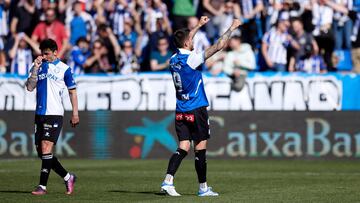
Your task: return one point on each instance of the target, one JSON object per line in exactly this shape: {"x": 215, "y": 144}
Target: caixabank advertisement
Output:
{"x": 151, "y": 134}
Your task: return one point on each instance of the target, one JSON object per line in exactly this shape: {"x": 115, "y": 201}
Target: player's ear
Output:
{"x": 186, "y": 43}
{"x": 55, "y": 53}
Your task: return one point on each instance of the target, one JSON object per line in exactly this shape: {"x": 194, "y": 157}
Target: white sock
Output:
{"x": 67, "y": 177}
{"x": 203, "y": 186}
{"x": 169, "y": 179}
{"x": 43, "y": 187}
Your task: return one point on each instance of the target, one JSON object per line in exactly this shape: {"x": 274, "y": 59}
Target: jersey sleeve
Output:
{"x": 196, "y": 59}
{"x": 69, "y": 80}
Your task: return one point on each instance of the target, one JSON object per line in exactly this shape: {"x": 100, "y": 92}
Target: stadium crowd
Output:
{"x": 127, "y": 36}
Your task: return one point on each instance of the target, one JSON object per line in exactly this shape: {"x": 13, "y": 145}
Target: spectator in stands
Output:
{"x": 58, "y": 6}
{"x": 25, "y": 18}
{"x": 250, "y": 11}
{"x": 159, "y": 59}
{"x": 310, "y": 62}
{"x": 231, "y": 11}
{"x": 238, "y": 61}
{"x": 79, "y": 54}
{"x": 129, "y": 61}
{"x": 355, "y": 51}
{"x": 98, "y": 62}
{"x": 322, "y": 20}
{"x": 182, "y": 10}
{"x": 119, "y": 15}
{"x": 4, "y": 29}
{"x": 200, "y": 39}
{"x": 273, "y": 9}
{"x": 156, "y": 10}
{"x": 101, "y": 12}
{"x": 163, "y": 28}
{"x": 275, "y": 44}
{"x": 21, "y": 54}
{"x": 213, "y": 9}
{"x": 44, "y": 6}
{"x": 130, "y": 34}
{"x": 303, "y": 39}
{"x": 342, "y": 25}
{"x": 111, "y": 43}
{"x": 53, "y": 29}
{"x": 80, "y": 23}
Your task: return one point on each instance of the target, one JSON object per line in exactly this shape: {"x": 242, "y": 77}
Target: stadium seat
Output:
{"x": 344, "y": 57}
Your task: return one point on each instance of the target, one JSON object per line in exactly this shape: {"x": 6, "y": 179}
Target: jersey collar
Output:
{"x": 184, "y": 51}
{"x": 55, "y": 62}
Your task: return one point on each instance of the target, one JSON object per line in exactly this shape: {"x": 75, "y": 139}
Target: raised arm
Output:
{"x": 223, "y": 40}
{"x": 203, "y": 20}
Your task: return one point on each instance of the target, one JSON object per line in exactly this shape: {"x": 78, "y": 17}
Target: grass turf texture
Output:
{"x": 235, "y": 180}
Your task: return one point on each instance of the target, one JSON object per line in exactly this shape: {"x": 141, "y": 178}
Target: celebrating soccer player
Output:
{"x": 191, "y": 122}
{"x": 50, "y": 77}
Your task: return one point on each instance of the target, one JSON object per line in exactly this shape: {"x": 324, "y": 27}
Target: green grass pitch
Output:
{"x": 235, "y": 180}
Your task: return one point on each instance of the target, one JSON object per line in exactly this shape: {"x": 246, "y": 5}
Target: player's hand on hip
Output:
{"x": 235, "y": 24}
{"x": 38, "y": 62}
{"x": 203, "y": 20}
{"x": 74, "y": 121}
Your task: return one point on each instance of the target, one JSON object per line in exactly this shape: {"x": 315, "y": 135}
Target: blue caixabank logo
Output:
{"x": 150, "y": 133}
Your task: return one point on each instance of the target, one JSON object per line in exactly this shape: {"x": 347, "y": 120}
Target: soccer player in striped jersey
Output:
{"x": 191, "y": 121}
{"x": 51, "y": 77}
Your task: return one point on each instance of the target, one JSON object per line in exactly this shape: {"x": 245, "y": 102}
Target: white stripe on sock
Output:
{"x": 67, "y": 177}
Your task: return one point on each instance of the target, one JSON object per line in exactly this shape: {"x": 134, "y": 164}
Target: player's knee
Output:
{"x": 186, "y": 149}
{"x": 185, "y": 145}
{"x": 201, "y": 145}
{"x": 46, "y": 147}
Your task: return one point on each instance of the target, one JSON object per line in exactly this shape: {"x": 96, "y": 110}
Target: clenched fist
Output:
{"x": 203, "y": 20}
{"x": 38, "y": 62}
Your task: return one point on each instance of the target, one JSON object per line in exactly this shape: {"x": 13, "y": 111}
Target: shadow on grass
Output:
{"x": 141, "y": 192}
{"x": 137, "y": 192}
{"x": 14, "y": 191}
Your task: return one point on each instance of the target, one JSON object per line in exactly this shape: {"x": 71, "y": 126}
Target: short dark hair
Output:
{"x": 48, "y": 44}
{"x": 81, "y": 39}
{"x": 180, "y": 36}
{"x": 162, "y": 38}
{"x": 236, "y": 37}
{"x": 102, "y": 27}
{"x": 296, "y": 19}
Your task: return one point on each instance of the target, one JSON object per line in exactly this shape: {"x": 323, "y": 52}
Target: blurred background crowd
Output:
{"x": 128, "y": 36}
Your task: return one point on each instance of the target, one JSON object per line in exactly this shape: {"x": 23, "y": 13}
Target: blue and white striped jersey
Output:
{"x": 314, "y": 64}
{"x": 188, "y": 81}
{"x": 4, "y": 28}
{"x": 248, "y": 6}
{"x": 53, "y": 79}
{"x": 277, "y": 45}
{"x": 118, "y": 19}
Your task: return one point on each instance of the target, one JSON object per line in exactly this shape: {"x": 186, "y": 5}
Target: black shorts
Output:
{"x": 47, "y": 128}
{"x": 192, "y": 125}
